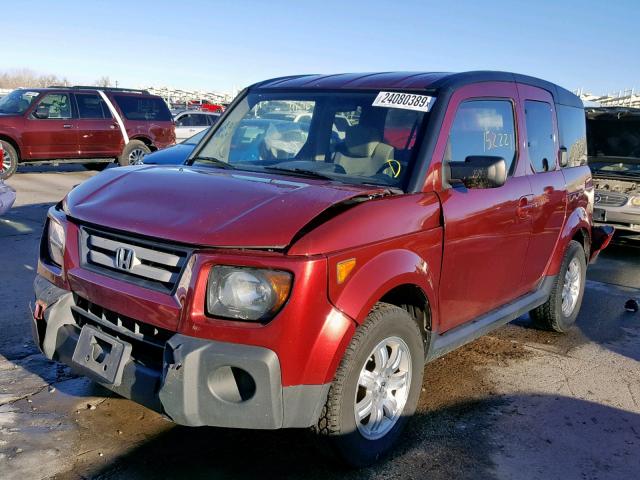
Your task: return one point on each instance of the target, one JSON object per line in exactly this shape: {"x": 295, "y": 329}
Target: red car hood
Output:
{"x": 209, "y": 207}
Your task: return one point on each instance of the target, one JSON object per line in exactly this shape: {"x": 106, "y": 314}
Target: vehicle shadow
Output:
{"x": 523, "y": 437}
{"x": 612, "y": 280}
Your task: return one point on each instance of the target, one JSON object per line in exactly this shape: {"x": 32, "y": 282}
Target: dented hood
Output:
{"x": 208, "y": 207}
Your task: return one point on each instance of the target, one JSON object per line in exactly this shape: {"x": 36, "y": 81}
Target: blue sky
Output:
{"x": 218, "y": 45}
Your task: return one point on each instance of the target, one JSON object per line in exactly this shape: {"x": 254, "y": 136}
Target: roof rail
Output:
{"x": 94, "y": 87}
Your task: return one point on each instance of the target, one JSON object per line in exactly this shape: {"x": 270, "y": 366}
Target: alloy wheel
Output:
{"x": 383, "y": 388}
{"x": 6, "y": 162}
{"x": 136, "y": 156}
{"x": 571, "y": 287}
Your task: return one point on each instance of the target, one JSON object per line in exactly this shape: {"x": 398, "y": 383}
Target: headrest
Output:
{"x": 361, "y": 141}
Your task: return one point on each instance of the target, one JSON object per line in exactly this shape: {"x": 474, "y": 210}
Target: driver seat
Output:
{"x": 363, "y": 152}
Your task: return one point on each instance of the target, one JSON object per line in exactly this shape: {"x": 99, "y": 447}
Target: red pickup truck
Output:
{"x": 88, "y": 125}
{"x": 306, "y": 284}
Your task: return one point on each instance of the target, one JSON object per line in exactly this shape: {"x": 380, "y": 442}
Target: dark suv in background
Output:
{"x": 87, "y": 124}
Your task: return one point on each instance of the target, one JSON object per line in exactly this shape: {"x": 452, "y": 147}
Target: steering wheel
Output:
{"x": 394, "y": 165}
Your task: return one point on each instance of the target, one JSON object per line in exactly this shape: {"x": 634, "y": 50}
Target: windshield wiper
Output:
{"x": 301, "y": 171}
{"x": 215, "y": 161}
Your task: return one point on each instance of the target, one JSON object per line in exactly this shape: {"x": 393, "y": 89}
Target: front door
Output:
{"x": 549, "y": 202}
{"x": 486, "y": 230}
{"x": 50, "y": 129}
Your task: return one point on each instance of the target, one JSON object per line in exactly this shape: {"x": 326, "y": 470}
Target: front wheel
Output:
{"x": 133, "y": 153}
{"x": 9, "y": 160}
{"x": 560, "y": 311}
{"x": 376, "y": 387}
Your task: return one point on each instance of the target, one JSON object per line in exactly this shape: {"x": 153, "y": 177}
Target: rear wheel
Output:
{"x": 376, "y": 387}
{"x": 9, "y": 159}
{"x": 560, "y": 311}
{"x": 133, "y": 153}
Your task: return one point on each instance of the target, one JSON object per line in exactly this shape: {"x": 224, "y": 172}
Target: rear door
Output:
{"x": 98, "y": 132}
{"x": 486, "y": 232}
{"x": 549, "y": 202}
{"x": 51, "y": 128}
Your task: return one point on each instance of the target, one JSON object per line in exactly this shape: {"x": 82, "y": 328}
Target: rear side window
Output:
{"x": 540, "y": 136}
{"x": 91, "y": 106}
{"x": 483, "y": 128}
{"x": 143, "y": 108}
{"x": 573, "y": 134}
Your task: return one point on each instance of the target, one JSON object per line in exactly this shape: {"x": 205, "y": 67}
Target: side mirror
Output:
{"x": 479, "y": 172}
{"x": 41, "y": 112}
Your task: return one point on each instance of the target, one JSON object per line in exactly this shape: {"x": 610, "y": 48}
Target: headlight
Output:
{"x": 56, "y": 240}
{"x": 635, "y": 201}
{"x": 246, "y": 293}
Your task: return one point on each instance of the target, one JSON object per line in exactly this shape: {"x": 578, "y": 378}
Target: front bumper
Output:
{"x": 195, "y": 381}
{"x": 623, "y": 218}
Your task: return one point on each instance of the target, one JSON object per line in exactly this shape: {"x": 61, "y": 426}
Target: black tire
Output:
{"x": 550, "y": 315}
{"x": 337, "y": 422}
{"x": 130, "y": 148}
{"x": 96, "y": 167}
{"x": 9, "y": 162}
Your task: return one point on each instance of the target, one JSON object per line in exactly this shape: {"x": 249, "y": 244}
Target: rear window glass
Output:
{"x": 540, "y": 136}
{"x": 91, "y": 106}
{"x": 143, "y": 108}
{"x": 573, "y": 134}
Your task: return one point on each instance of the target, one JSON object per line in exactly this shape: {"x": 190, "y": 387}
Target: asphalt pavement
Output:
{"x": 517, "y": 404}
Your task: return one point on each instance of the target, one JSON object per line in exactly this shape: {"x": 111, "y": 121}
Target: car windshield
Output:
{"x": 17, "y": 102}
{"x": 345, "y": 137}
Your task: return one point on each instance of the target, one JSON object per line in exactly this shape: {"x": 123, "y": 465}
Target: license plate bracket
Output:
{"x": 101, "y": 355}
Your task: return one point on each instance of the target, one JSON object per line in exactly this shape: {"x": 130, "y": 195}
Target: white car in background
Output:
{"x": 190, "y": 122}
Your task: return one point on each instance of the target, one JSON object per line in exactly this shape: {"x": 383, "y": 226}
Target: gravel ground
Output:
{"x": 518, "y": 404}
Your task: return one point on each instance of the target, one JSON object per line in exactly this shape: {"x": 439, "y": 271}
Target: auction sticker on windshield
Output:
{"x": 408, "y": 101}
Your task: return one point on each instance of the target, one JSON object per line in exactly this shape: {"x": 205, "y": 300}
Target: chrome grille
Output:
{"x": 148, "y": 263}
{"x": 610, "y": 199}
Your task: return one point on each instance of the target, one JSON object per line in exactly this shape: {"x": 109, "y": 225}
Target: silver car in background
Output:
{"x": 190, "y": 122}
{"x": 614, "y": 157}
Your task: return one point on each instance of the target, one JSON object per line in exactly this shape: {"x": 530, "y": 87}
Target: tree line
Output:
{"x": 28, "y": 78}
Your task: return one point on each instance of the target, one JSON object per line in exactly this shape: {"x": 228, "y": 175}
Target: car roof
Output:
{"x": 430, "y": 81}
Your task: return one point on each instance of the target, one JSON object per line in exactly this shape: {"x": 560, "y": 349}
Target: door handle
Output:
{"x": 524, "y": 206}
{"x": 113, "y": 127}
{"x": 67, "y": 125}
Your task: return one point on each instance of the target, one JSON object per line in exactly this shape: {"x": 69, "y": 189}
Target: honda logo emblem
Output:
{"x": 125, "y": 258}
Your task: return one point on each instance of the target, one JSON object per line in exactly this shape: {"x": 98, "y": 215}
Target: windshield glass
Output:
{"x": 345, "y": 137}
{"x": 17, "y": 102}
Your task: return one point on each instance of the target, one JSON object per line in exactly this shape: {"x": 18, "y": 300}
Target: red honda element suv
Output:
{"x": 300, "y": 274}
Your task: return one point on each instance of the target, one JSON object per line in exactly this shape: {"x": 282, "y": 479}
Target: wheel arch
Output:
{"x": 146, "y": 140}
{"x": 408, "y": 283}
{"x": 578, "y": 228}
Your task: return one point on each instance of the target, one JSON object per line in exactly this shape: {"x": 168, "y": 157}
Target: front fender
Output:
{"x": 578, "y": 221}
{"x": 416, "y": 263}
